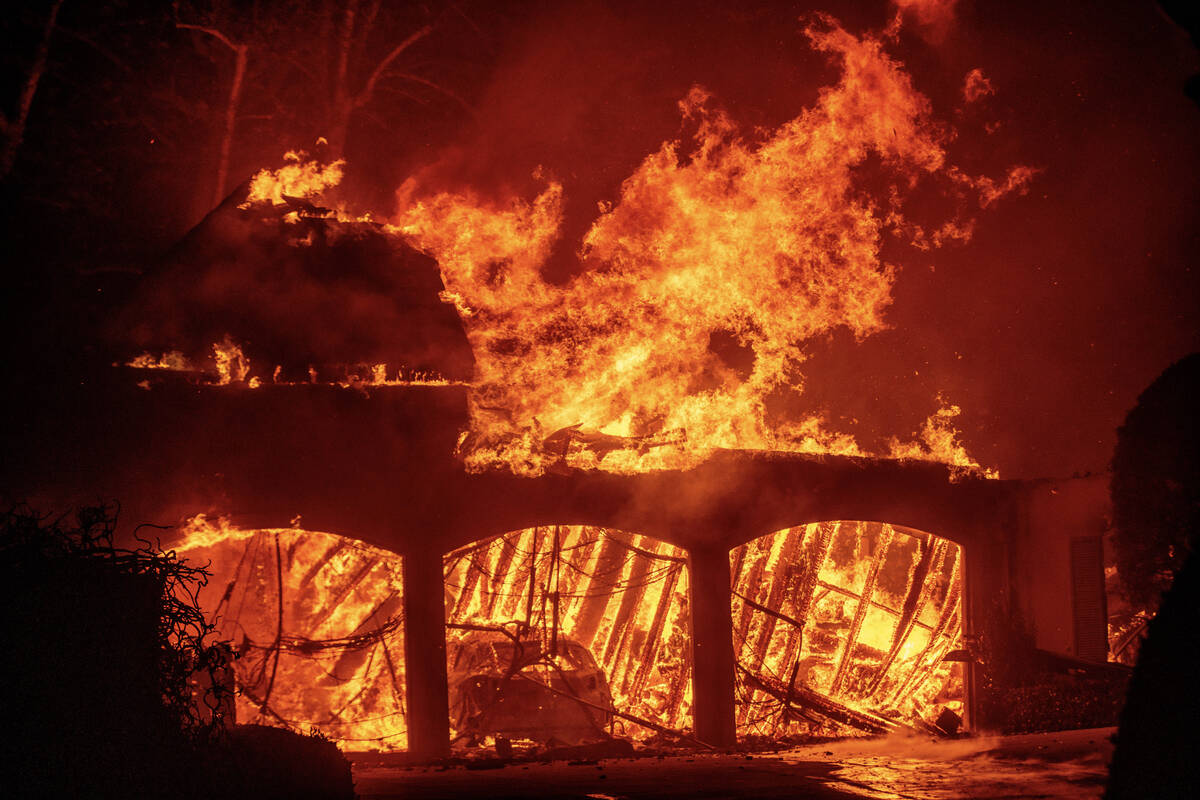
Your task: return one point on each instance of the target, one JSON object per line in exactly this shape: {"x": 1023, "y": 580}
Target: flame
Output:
{"x": 929, "y": 12}
{"x": 300, "y": 176}
{"x": 316, "y": 618}
{"x": 317, "y": 622}
{"x": 698, "y": 289}
{"x": 977, "y": 86}
{"x": 879, "y": 608}
{"x": 231, "y": 366}
{"x": 173, "y": 360}
{"x": 763, "y": 245}
{"x": 620, "y": 596}
{"x": 939, "y": 441}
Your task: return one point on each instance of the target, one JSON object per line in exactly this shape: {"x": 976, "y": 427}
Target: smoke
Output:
{"x": 977, "y": 86}
{"x": 933, "y": 17}
{"x": 272, "y": 295}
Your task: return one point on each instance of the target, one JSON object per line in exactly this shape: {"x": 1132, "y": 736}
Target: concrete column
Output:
{"x": 970, "y": 636}
{"x": 986, "y": 603}
{"x": 712, "y": 647}
{"x": 425, "y": 656}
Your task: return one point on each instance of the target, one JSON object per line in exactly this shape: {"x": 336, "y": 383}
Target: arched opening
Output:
{"x": 847, "y": 627}
{"x": 317, "y": 627}
{"x": 566, "y": 634}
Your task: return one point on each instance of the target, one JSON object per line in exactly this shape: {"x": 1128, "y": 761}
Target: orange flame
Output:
{"x": 317, "y": 622}
{"x": 299, "y": 177}
{"x": 621, "y": 597}
{"x": 879, "y": 609}
{"x": 173, "y": 360}
{"x": 765, "y": 245}
{"x": 231, "y": 366}
{"x": 698, "y": 288}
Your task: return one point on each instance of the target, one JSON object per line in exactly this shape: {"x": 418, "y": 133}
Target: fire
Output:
{"x": 977, "y": 86}
{"x": 317, "y": 622}
{"x": 848, "y": 622}
{"x": 929, "y": 12}
{"x": 173, "y": 360}
{"x": 717, "y": 244}
{"x": 299, "y": 177}
{"x": 229, "y": 365}
{"x": 232, "y": 364}
{"x": 939, "y": 441}
{"x": 620, "y": 597}
{"x": 698, "y": 289}
{"x": 838, "y": 627}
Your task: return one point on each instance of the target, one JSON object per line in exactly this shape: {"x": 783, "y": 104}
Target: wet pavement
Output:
{"x": 1068, "y": 764}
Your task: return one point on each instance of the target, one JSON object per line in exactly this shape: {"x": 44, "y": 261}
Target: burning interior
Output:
{"x": 589, "y": 622}
{"x": 847, "y": 626}
{"x": 568, "y": 634}
{"x": 316, "y": 623}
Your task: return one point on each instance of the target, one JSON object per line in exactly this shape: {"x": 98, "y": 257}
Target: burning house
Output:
{"x": 741, "y": 593}
{"x": 471, "y": 474}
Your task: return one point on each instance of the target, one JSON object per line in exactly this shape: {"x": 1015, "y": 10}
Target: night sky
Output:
{"x": 1044, "y": 328}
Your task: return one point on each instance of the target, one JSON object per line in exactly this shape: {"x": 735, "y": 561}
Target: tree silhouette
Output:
{"x": 1156, "y": 483}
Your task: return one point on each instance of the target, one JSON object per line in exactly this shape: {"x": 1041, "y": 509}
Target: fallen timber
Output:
{"x": 800, "y": 699}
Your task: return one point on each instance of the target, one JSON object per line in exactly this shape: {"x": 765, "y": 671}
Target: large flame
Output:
{"x": 699, "y": 287}
{"x": 300, "y": 176}
{"x": 697, "y": 291}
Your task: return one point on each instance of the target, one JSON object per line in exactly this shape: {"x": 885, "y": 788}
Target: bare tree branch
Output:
{"x": 364, "y": 96}
{"x": 103, "y": 51}
{"x": 436, "y": 87}
{"x": 240, "y": 54}
{"x": 216, "y": 34}
{"x": 13, "y": 130}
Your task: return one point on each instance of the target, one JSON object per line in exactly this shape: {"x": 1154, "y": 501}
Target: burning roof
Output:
{"x": 299, "y": 293}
